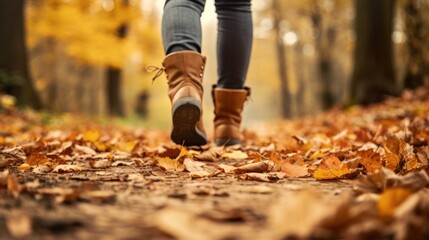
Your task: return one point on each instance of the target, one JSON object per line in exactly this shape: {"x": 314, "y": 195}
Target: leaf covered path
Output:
{"x": 358, "y": 173}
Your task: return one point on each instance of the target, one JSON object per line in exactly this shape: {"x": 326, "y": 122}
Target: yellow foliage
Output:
{"x": 89, "y": 29}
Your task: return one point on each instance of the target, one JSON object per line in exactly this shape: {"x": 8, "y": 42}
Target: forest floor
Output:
{"x": 359, "y": 173}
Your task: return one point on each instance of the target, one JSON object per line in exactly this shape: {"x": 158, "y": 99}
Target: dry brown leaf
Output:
{"x": 227, "y": 168}
{"x": 123, "y": 163}
{"x": 263, "y": 177}
{"x": 293, "y": 166}
{"x": 210, "y": 155}
{"x": 85, "y": 150}
{"x": 257, "y": 167}
{"x": 294, "y": 171}
{"x": 100, "y": 164}
{"x": 41, "y": 169}
{"x": 384, "y": 178}
{"x": 193, "y": 166}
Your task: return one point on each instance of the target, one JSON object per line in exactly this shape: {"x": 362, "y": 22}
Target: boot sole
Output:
{"x": 186, "y": 114}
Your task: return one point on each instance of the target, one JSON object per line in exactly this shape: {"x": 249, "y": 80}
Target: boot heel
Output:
{"x": 186, "y": 114}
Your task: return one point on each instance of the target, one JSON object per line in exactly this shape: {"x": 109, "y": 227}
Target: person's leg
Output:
{"x": 234, "y": 42}
{"x": 181, "y": 25}
{"x": 184, "y": 68}
{"x": 235, "y": 32}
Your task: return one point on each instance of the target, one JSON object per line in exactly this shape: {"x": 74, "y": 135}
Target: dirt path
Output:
{"x": 140, "y": 204}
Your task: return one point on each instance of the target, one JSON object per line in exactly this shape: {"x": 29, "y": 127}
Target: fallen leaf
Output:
{"x": 384, "y": 178}
{"x": 67, "y": 168}
{"x": 258, "y": 167}
{"x": 85, "y": 150}
{"x": 390, "y": 200}
{"x": 122, "y": 163}
{"x": 263, "y": 177}
{"x": 391, "y": 161}
{"x": 41, "y": 169}
{"x": 227, "y": 168}
{"x": 236, "y": 154}
{"x": 91, "y": 136}
{"x": 36, "y": 159}
{"x": 370, "y": 160}
{"x": 293, "y": 166}
{"x": 332, "y": 168}
{"x": 210, "y": 155}
{"x": 100, "y": 164}
{"x": 169, "y": 164}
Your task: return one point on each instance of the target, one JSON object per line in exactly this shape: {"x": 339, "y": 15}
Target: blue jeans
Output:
{"x": 181, "y": 30}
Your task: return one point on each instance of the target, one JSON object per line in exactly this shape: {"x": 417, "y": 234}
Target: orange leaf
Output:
{"x": 370, "y": 160}
{"x": 390, "y": 200}
{"x": 331, "y": 168}
{"x": 36, "y": 159}
{"x": 391, "y": 160}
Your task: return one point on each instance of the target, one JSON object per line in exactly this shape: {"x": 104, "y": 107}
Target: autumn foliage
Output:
{"x": 382, "y": 149}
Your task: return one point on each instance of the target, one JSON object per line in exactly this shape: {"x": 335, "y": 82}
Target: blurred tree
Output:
{"x": 89, "y": 35}
{"x": 114, "y": 94}
{"x": 324, "y": 18}
{"x": 374, "y": 76}
{"x": 13, "y": 54}
{"x": 281, "y": 58}
{"x": 417, "y": 31}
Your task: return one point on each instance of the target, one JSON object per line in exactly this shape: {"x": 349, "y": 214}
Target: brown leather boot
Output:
{"x": 228, "y": 105}
{"x": 184, "y": 71}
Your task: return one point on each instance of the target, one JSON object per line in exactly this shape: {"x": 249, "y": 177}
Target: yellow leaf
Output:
{"x": 331, "y": 168}
{"x": 91, "y": 136}
{"x": 390, "y": 200}
{"x": 235, "y": 155}
{"x": 169, "y": 164}
{"x": 24, "y": 167}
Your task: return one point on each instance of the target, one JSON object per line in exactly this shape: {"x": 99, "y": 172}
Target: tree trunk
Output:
{"x": 282, "y": 64}
{"x": 114, "y": 96}
{"x": 13, "y": 54}
{"x": 417, "y": 73}
{"x": 114, "y": 80}
{"x": 373, "y": 77}
{"x": 324, "y": 57}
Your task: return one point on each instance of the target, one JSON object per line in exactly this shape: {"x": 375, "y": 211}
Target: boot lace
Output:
{"x": 158, "y": 71}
